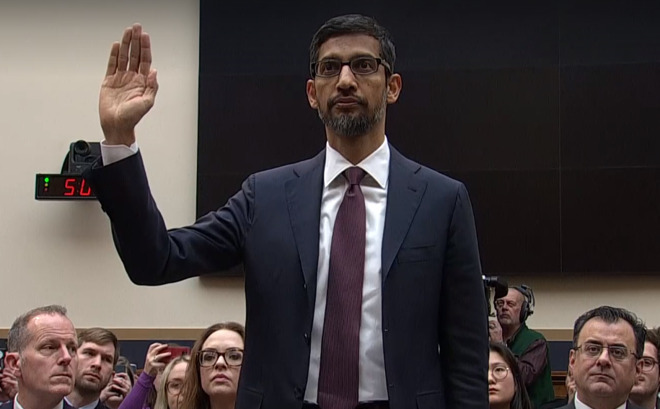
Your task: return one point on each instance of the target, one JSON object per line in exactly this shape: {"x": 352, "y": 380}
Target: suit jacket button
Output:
{"x": 306, "y": 336}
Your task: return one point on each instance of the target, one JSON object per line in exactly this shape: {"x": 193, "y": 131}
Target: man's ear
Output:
{"x": 393, "y": 88}
{"x": 571, "y": 360}
{"x": 13, "y": 362}
{"x": 311, "y": 94}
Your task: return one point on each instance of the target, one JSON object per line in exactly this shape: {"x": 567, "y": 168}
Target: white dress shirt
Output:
{"x": 19, "y": 406}
{"x": 374, "y": 188}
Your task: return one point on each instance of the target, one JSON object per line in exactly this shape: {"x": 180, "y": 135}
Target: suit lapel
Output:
{"x": 303, "y": 196}
{"x": 404, "y": 194}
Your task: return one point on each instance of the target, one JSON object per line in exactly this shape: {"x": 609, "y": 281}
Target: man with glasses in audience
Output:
{"x": 647, "y": 383}
{"x": 607, "y": 342}
{"x": 529, "y": 347}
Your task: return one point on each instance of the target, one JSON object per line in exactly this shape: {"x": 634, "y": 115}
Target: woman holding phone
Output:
{"x": 143, "y": 394}
{"x": 215, "y": 366}
{"x": 168, "y": 395}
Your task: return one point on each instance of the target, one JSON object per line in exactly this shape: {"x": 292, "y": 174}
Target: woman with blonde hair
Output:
{"x": 215, "y": 366}
{"x": 169, "y": 389}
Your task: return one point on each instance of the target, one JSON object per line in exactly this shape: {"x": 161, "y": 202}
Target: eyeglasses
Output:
{"x": 209, "y": 357}
{"x": 174, "y": 387}
{"x": 499, "y": 372}
{"x": 593, "y": 350}
{"x": 648, "y": 363}
{"x": 331, "y": 67}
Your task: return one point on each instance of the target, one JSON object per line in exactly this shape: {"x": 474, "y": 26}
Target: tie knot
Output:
{"x": 354, "y": 175}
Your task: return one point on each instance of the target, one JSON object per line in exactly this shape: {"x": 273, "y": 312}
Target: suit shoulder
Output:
{"x": 430, "y": 175}
{"x": 285, "y": 172}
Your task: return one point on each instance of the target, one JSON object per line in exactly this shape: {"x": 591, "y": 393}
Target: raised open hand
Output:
{"x": 129, "y": 87}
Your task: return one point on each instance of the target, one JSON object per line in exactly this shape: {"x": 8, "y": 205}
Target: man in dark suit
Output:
{"x": 42, "y": 353}
{"x": 419, "y": 339}
{"x": 98, "y": 351}
{"x": 603, "y": 360}
{"x": 647, "y": 384}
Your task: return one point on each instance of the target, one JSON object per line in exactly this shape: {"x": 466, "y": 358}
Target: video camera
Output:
{"x": 494, "y": 288}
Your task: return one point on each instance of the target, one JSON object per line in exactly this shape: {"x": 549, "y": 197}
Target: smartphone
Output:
{"x": 120, "y": 368}
{"x": 176, "y": 352}
{"x": 3, "y": 351}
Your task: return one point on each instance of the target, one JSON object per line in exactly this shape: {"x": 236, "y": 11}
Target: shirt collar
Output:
{"x": 376, "y": 164}
{"x": 88, "y": 406}
{"x": 18, "y": 405}
{"x": 580, "y": 405}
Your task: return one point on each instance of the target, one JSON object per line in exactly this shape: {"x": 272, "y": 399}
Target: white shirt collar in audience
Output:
{"x": 580, "y": 405}
{"x": 18, "y": 405}
{"x": 90, "y": 406}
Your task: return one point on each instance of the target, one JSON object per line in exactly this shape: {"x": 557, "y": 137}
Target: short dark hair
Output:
{"x": 653, "y": 336}
{"x": 354, "y": 24}
{"x": 99, "y": 336}
{"x": 612, "y": 315}
{"x": 520, "y": 398}
{"x": 19, "y": 335}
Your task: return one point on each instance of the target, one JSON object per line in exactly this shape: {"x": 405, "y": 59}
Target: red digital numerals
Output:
{"x": 70, "y": 188}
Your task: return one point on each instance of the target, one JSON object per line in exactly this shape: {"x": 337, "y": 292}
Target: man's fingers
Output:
{"x": 136, "y": 38}
{"x": 145, "y": 55}
{"x": 112, "y": 61}
{"x": 122, "y": 60}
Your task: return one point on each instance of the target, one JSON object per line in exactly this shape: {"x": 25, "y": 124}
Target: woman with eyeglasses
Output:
{"x": 168, "y": 394}
{"x": 143, "y": 393}
{"x": 212, "y": 377}
{"x": 506, "y": 389}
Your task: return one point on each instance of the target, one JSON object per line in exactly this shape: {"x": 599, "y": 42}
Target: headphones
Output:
{"x": 528, "y": 304}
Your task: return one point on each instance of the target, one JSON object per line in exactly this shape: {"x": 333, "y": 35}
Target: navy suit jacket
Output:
{"x": 434, "y": 320}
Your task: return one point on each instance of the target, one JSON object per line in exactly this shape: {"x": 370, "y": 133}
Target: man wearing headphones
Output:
{"x": 529, "y": 346}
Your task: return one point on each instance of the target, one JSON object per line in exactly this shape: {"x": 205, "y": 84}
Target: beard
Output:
{"x": 85, "y": 387}
{"x": 351, "y": 125}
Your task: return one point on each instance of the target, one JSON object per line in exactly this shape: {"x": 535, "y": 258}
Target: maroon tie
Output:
{"x": 339, "y": 368}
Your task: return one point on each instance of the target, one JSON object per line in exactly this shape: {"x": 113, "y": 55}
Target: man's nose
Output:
{"x": 604, "y": 358}
{"x": 346, "y": 78}
{"x": 66, "y": 356}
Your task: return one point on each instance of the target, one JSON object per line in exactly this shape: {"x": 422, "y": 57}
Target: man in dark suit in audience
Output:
{"x": 98, "y": 351}
{"x": 42, "y": 348}
{"x": 364, "y": 262}
{"x": 603, "y": 360}
{"x": 647, "y": 383}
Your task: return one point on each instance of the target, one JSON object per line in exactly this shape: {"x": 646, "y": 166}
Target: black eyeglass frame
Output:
{"x": 219, "y": 354}
{"x": 379, "y": 61}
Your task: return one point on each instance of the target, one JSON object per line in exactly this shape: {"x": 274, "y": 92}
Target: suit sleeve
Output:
{"x": 463, "y": 330}
{"x": 151, "y": 254}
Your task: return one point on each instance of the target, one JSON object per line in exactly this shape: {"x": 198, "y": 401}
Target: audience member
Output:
{"x": 212, "y": 379}
{"x": 529, "y": 347}
{"x": 98, "y": 350}
{"x": 506, "y": 389}
{"x": 645, "y": 391}
{"x": 569, "y": 383}
{"x": 171, "y": 385}
{"x": 42, "y": 348}
{"x": 603, "y": 360}
{"x": 143, "y": 394}
{"x": 8, "y": 384}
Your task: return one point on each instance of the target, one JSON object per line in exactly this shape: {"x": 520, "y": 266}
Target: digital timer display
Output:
{"x": 62, "y": 187}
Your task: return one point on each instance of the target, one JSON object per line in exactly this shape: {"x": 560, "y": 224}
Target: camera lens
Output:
{"x": 81, "y": 148}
